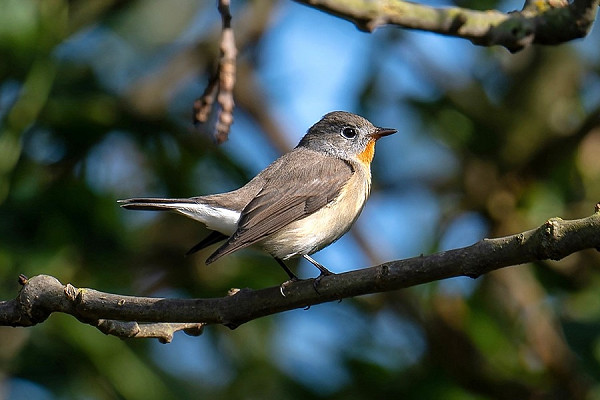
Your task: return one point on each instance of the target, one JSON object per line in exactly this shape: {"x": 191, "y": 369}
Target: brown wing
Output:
{"x": 289, "y": 194}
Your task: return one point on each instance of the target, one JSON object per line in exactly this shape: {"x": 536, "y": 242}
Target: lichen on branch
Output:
{"x": 539, "y": 22}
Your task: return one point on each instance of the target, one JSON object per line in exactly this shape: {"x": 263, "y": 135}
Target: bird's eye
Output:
{"x": 349, "y": 133}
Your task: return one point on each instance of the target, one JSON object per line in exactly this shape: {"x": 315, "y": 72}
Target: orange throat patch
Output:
{"x": 366, "y": 156}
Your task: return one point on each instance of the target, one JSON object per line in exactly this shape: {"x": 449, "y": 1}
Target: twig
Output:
{"x": 160, "y": 330}
{"x": 540, "y": 22}
{"x": 203, "y": 106}
{"x": 43, "y": 294}
{"x": 222, "y": 83}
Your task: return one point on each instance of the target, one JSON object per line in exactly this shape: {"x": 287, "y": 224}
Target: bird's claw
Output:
{"x": 287, "y": 283}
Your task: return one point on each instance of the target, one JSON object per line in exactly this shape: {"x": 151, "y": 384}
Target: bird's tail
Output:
{"x": 214, "y": 216}
{"x": 156, "y": 204}
{"x": 188, "y": 207}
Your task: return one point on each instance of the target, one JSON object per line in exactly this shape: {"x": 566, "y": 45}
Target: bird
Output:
{"x": 302, "y": 202}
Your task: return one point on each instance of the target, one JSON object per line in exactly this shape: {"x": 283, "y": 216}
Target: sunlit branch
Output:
{"x": 547, "y": 22}
{"x": 43, "y": 294}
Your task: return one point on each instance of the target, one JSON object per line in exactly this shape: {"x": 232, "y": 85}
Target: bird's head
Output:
{"x": 344, "y": 135}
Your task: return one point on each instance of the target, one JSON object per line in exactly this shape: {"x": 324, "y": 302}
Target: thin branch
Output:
{"x": 162, "y": 331}
{"x": 221, "y": 85}
{"x": 43, "y": 294}
{"x": 540, "y": 22}
{"x": 204, "y": 105}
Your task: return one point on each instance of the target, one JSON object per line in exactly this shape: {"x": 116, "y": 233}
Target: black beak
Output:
{"x": 381, "y": 132}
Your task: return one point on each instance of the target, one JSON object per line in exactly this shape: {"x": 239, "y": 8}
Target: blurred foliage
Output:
{"x": 95, "y": 105}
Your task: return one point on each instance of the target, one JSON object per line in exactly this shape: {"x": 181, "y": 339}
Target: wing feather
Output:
{"x": 288, "y": 195}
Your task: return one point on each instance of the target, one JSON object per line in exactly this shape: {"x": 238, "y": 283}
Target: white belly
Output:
{"x": 321, "y": 228}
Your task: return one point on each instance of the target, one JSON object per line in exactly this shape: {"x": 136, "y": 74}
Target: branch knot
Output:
{"x": 551, "y": 235}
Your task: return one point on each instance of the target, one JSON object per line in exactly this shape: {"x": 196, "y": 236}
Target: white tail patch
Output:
{"x": 216, "y": 218}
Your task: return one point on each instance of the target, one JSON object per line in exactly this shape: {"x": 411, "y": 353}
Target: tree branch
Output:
{"x": 540, "y": 22}
{"x": 43, "y": 294}
{"x": 220, "y": 86}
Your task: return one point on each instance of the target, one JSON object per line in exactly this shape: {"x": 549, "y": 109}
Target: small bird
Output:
{"x": 302, "y": 202}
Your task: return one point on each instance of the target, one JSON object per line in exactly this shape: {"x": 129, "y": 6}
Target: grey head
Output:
{"x": 342, "y": 134}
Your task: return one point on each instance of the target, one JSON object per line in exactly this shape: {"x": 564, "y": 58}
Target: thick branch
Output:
{"x": 540, "y": 22}
{"x": 44, "y": 294}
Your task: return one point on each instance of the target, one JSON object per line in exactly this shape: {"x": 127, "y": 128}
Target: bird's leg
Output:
{"x": 324, "y": 271}
{"x": 293, "y": 277}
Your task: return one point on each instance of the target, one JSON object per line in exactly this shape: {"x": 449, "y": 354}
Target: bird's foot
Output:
{"x": 288, "y": 283}
{"x": 324, "y": 272}
{"x": 317, "y": 280}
